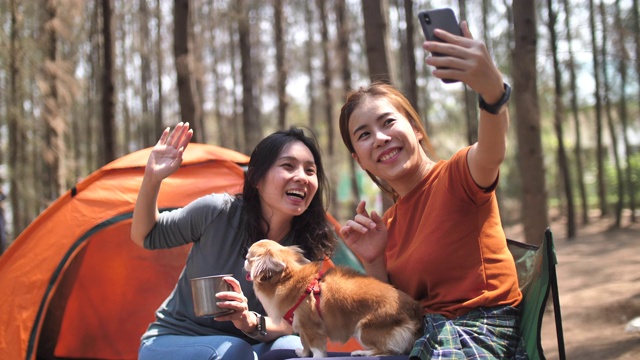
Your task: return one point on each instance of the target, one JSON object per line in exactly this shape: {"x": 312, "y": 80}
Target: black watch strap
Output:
{"x": 261, "y": 327}
{"x": 495, "y": 108}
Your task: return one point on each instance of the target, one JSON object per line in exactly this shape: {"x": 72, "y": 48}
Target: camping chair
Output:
{"x": 536, "y": 266}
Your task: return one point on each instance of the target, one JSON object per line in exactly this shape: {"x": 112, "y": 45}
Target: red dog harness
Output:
{"x": 312, "y": 288}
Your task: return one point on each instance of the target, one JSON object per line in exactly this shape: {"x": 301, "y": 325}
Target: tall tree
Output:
{"x": 123, "y": 30}
{"x": 225, "y": 126}
{"x": 558, "y": 112}
{"x": 93, "y": 142}
{"x": 194, "y": 30}
{"x": 252, "y": 125}
{"x": 470, "y": 96}
{"x": 15, "y": 114}
{"x": 610, "y": 120}
{"x": 59, "y": 88}
{"x": 326, "y": 77}
{"x": 343, "y": 32}
{"x": 622, "y": 108}
{"x": 636, "y": 39}
{"x": 184, "y": 70}
{"x": 577, "y": 153}
{"x": 409, "y": 69}
{"x": 108, "y": 87}
{"x": 600, "y": 181}
{"x": 376, "y": 33}
{"x": 281, "y": 69}
{"x": 239, "y": 133}
{"x": 486, "y": 9}
{"x": 158, "y": 123}
{"x": 525, "y": 96}
{"x": 55, "y": 123}
{"x": 146, "y": 87}
{"x": 309, "y": 55}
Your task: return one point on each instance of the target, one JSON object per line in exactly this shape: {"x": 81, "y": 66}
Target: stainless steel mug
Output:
{"x": 204, "y": 290}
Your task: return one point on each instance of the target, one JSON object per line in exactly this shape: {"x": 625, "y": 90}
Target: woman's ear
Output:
{"x": 419, "y": 135}
{"x": 357, "y": 159}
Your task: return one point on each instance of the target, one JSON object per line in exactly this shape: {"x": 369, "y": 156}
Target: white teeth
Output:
{"x": 298, "y": 193}
{"x": 389, "y": 155}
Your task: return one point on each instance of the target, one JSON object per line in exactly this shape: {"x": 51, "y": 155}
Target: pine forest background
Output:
{"x": 85, "y": 82}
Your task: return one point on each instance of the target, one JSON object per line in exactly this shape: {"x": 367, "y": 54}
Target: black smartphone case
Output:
{"x": 444, "y": 19}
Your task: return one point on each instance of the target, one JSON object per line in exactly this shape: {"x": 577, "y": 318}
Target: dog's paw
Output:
{"x": 362, "y": 353}
{"x": 302, "y": 353}
{"x": 318, "y": 353}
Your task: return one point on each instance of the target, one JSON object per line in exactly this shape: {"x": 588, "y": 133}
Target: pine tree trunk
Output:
{"x": 196, "y": 73}
{"x": 309, "y": 55}
{"x": 158, "y": 124}
{"x": 610, "y": 120}
{"x": 622, "y": 110}
{"x": 563, "y": 164}
{"x": 376, "y": 32}
{"x": 108, "y": 121}
{"x": 326, "y": 79}
{"x": 525, "y": 98}
{"x": 600, "y": 181}
{"x": 377, "y": 43}
{"x": 281, "y": 68}
{"x": 146, "y": 88}
{"x": 408, "y": 41}
{"x": 55, "y": 125}
{"x": 470, "y": 96}
{"x": 183, "y": 64}
{"x": 15, "y": 115}
{"x": 343, "y": 32}
{"x": 252, "y": 126}
{"x": 576, "y": 118}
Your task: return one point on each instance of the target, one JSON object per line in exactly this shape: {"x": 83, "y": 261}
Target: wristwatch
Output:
{"x": 495, "y": 108}
{"x": 261, "y": 327}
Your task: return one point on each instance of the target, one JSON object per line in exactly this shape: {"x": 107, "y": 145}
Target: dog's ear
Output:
{"x": 298, "y": 254}
{"x": 265, "y": 267}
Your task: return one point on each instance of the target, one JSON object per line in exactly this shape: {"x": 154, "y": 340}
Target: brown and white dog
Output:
{"x": 337, "y": 304}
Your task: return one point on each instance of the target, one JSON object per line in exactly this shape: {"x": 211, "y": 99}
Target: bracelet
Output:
{"x": 495, "y": 108}
{"x": 261, "y": 328}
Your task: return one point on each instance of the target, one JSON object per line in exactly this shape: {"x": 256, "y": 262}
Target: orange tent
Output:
{"x": 73, "y": 284}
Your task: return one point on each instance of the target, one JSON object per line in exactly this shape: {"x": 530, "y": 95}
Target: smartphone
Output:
{"x": 444, "y": 19}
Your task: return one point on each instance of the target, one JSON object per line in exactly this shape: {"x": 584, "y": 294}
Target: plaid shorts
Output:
{"x": 484, "y": 333}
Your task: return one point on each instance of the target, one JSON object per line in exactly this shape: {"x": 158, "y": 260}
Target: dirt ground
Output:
{"x": 599, "y": 288}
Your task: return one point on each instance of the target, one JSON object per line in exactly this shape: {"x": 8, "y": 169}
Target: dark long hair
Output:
{"x": 382, "y": 90}
{"x": 311, "y": 230}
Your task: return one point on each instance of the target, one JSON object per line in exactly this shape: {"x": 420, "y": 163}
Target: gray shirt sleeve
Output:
{"x": 212, "y": 225}
{"x": 187, "y": 224}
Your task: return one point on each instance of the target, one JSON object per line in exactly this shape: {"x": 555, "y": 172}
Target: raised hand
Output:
{"x": 166, "y": 156}
{"x": 366, "y": 236}
{"x": 467, "y": 60}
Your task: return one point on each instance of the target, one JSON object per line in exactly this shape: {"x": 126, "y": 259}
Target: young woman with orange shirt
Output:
{"x": 442, "y": 241}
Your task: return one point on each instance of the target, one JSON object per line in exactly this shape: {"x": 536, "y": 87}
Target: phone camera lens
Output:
{"x": 427, "y": 19}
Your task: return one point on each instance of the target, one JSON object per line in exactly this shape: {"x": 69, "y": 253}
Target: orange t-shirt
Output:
{"x": 446, "y": 246}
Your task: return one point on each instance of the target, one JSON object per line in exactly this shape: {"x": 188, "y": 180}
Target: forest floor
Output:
{"x": 599, "y": 288}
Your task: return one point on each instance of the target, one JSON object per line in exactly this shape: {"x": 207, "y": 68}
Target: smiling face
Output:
{"x": 290, "y": 184}
{"x": 386, "y": 144}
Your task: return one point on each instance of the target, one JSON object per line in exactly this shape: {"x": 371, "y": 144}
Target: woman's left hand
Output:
{"x": 466, "y": 60}
{"x": 242, "y": 318}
